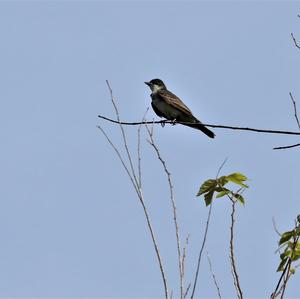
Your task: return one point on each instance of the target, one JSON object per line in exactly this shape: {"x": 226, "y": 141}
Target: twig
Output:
{"x": 275, "y": 227}
{"x": 232, "y": 258}
{"x": 187, "y": 290}
{"x": 286, "y": 278}
{"x": 139, "y": 156}
{"x": 123, "y": 133}
{"x": 184, "y": 256}
{"x": 139, "y": 151}
{"x": 201, "y": 250}
{"x": 295, "y": 109}
{"x": 214, "y": 276}
{"x": 120, "y": 158}
{"x": 298, "y": 123}
{"x": 295, "y": 42}
{"x": 207, "y": 125}
{"x": 276, "y": 292}
{"x": 204, "y": 238}
{"x": 140, "y": 196}
{"x": 172, "y": 197}
{"x": 286, "y": 147}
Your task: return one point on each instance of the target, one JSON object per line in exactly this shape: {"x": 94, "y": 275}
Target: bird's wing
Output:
{"x": 174, "y": 101}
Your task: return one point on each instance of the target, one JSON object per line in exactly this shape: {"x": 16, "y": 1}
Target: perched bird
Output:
{"x": 168, "y": 105}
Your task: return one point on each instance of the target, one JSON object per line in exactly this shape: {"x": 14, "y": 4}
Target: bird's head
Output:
{"x": 156, "y": 85}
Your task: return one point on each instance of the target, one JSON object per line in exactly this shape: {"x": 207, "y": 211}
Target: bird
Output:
{"x": 167, "y": 105}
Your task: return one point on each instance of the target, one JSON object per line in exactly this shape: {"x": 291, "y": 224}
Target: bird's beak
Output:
{"x": 148, "y": 83}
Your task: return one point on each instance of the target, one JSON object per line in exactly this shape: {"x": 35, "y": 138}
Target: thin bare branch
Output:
{"x": 298, "y": 123}
{"x": 139, "y": 150}
{"x": 286, "y": 147}
{"x": 172, "y": 197}
{"x": 295, "y": 109}
{"x": 222, "y": 165}
{"x": 123, "y": 133}
{"x": 139, "y": 157}
{"x": 184, "y": 256}
{"x": 162, "y": 122}
{"x": 204, "y": 238}
{"x": 275, "y": 227}
{"x": 201, "y": 251}
{"x": 213, "y": 275}
{"x": 286, "y": 278}
{"x": 232, "y": 258}
{"x": 295, "y": 42}
{"x": 278, "y": 289}
{"x": 120, "y": 158}
{"x": 187, "y": 290}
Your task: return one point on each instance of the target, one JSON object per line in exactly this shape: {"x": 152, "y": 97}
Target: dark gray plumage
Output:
{"x": 168, "y": 105}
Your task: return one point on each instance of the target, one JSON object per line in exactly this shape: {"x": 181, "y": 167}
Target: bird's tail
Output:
{"x": 202, "y": 128}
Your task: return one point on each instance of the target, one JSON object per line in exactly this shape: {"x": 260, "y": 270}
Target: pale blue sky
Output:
{"x": 70, "y": 223}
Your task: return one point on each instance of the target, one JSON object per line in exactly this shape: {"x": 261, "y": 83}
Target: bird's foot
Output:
{"x": 173, "y": 122}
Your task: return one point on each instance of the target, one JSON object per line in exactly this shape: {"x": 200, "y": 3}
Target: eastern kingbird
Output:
{"x": 166, "y": 104}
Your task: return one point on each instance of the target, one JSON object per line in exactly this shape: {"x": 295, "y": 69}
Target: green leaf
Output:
{"x": 238, "y": 176}
{"x": 282, "y": 265}
{"x": 238, "y": 179}
{"x": 220, "y": 189}
{"x": 286, "y": 236}
{"x": 296, "y": 256}
{"x": 222, "y": 181}
{"x": 291, "y": 244}
{"x": 223, "y": 193}
{"x": 207, "y": 186}
{"x": 285, "y": 254}
{"x": 297, "y": 247}
{"x": 208, "y": 197}
{"x": 292, "y": 270}
{"x": 240, "y": 198}
{"x": 217, "y": 185}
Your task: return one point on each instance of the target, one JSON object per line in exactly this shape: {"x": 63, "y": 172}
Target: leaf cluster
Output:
{"x": 289, "y": 242}
{"x": 211, "y": 186}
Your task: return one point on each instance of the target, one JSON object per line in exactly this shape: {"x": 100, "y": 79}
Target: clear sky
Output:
{"x": 70, "y": 223}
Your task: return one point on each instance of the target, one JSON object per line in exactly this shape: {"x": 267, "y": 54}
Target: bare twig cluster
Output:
{"x": 135, "y": 177}
{"x": 294, "y": 105}
{"x": 136, "y": 181}
{"x": 171, "y": 188}
{"x": 298, "y": 124}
